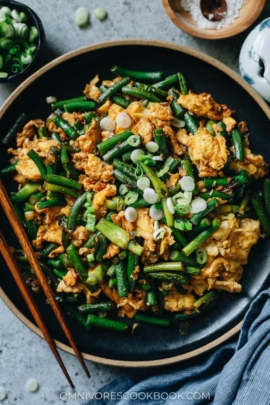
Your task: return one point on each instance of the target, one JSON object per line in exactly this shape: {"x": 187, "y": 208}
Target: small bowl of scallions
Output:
{"x": 21, "y": 40}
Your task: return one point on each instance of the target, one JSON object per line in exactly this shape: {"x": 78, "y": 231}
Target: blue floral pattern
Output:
{"x": 265, "y": 24}
{"x": 245, "y": 76}
{"x": 248, "y": 79}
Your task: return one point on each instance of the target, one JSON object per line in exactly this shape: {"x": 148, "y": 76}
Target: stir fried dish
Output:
{"x": 141, "y": 198}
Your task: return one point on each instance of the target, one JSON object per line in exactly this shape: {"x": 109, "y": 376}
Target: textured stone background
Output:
{"x": 22, "y": 353}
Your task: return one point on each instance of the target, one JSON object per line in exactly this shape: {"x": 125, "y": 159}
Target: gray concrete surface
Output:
{"x": 22, "y": 353}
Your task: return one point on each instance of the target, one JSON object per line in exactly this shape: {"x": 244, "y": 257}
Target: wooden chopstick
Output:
{"x": 15, "y": 271}
{"x": 29, "y": 251}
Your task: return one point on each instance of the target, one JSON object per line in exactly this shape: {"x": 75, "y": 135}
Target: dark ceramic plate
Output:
{"x": 66, "y": 78}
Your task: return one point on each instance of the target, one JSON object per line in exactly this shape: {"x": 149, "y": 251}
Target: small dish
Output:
{"x": 182, "y": 19}
{"x": 35, "y": 21}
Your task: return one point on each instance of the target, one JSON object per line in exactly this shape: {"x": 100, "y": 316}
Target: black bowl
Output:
{"x": 34, "y": 20}
{"x": 66, "y": 78}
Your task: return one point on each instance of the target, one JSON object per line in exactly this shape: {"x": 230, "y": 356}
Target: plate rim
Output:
{"x": 90, "y": 48}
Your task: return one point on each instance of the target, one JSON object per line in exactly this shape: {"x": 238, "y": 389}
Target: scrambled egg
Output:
{"x": 228, "y": 250}
{"x": 203, "y": 105}
{"x": 209, "y": 153}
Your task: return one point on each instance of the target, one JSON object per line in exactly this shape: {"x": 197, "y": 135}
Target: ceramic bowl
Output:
{"x": 34, "y": 20}
{"x": 254, "y": 60}
{"x": 249, "y": 12}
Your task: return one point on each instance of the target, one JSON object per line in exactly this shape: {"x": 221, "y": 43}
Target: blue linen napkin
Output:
{"x": 237, "y": 373}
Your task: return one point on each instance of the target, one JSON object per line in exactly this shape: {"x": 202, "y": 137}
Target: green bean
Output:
{"x": 211, "y": 205}
{"x": 151, "y": 89}
{"x": 151, "y": 297}
{"x": 123, "y": 178}
{"x": 244, "y": 203}
{"x": 112, "y": 282}
{"x": 52, "y": 202}
{"x": 122, "y": 281}
{"x": 261, "y": 212}
{"x": 63, "y": 181}
{"x": 170, "y": 165}
{"x": 78, "y": 316}
{"x": 182, "y": 83}
{"x": 118, "y": 150}
{"x": 39, "y": 163}
{"x": 125, "y": 168}
{"x": 205, "y": 300}
{"x": 140, "y": 203}
{"x": 80, "y": 106}
{"x": 51, "y": 162}
{"x": 178, "y": 110}
{"x": 177, "y": 256}
{"x": 66, "y": 298}
{"x": 222, "y": 125}
{"x": 62, "y": 103}
{"x": 17, "y": 126}
{"x": 160, "y": 139}
{"x": 9, "y": 169}
{"x": 266, "y": 194}
{"x": 66, "y": 127}
{"x": 55, "y": 263}
{"x": 111, "y": 271}
{"x": 195, "y": 271}
{"x": 167, "y": 82}
{"x": 123, "y": 254}
{"x": 202, "y": 237}
{"x": 133, "y": 262}
{"x": 124, "y": 103}
{"x": 60, "y": 274}
{"x": 102, "y": 247}
{"x": 209, "y": 183}
{"x": 152, "y": 320}
{"x": 140, "y": 93}
{"x": 25, "y": 192}
{"x": 67, "y": 165}
{"x": 75, "y": 210}
{"x": 88, "y": 117}
{"x": 110, "y": 143}
{"x": 191, "y": 123}
{"x": 165, "y": 266}
{"x": 238, "y": 145}
{"x": 148, "y": 76}
{"x": 77, "y": 262}
{"x": 106, "y": 323}
{"x": 117, "y": 87}
{"x": 96, "y": 307}
{"x": 216, "y": 194}
{"x": 65, "y": 260}
{"x": 49, "y": 274}
{"x": 118, "y": 236}
{"x": 204, "y": 224}
{"x": 180, "y": 237}
{"x": 47, "y": 250}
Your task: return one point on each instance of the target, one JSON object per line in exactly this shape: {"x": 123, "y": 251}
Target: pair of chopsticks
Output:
{"x": 27, "y": 247}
